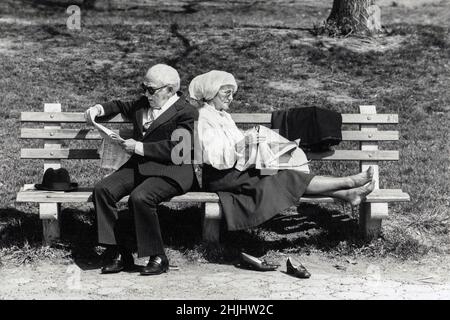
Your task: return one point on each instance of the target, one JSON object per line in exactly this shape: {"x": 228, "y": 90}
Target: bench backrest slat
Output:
{"x": 242, "y": 118}
{"x": 346, "y": 155}
{"x": 92, "y": 134}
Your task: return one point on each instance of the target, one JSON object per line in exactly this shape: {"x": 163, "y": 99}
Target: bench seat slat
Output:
{"x": 83, "y": 194}
{"x": 92, "y": 134}
{"x": 256, "y": 118}
{"x": 345, "y": 155}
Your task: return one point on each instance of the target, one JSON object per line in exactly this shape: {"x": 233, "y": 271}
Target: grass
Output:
{"x": 42, "y": 62}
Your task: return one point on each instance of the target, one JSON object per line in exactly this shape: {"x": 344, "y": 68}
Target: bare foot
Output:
{"x": 356, "y": 195}
{"x": 362, "y": 178}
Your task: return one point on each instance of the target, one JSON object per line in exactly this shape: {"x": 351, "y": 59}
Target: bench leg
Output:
{"x": 49, "y": 212}
{"x": 370, "y": 218}
{"x": 211, "y": 222}
{"x": 371, "y": 214}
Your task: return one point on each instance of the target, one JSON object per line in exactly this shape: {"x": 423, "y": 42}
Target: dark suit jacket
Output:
{"x": 157, "y": 140}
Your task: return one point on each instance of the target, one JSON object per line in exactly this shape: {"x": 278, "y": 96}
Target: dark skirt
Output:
{"x": 249, "y": 198}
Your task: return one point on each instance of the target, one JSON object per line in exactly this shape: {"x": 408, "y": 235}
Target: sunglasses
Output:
{"x": 228, "y": 93}
{"x": 151, "y": 90}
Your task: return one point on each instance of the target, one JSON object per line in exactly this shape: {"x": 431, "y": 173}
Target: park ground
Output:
{"x": 271, "y": 48}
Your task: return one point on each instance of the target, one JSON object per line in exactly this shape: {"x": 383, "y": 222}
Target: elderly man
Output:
{"x": 150, "y": 176}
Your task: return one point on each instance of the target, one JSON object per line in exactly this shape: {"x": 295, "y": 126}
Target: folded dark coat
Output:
{"x": 317, "y": 128}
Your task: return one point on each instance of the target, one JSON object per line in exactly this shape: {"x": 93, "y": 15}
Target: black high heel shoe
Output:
{"x": 297, "y": 270}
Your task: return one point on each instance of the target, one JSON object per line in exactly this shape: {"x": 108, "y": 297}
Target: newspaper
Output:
{"x": 278, "y": 153}
{"x": 112, "y": 155}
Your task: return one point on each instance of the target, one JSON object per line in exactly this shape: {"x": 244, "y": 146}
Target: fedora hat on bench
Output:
{"x": 56, "y": 180}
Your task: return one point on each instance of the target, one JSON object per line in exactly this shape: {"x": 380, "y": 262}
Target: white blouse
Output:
{"x": 220, "y": 140}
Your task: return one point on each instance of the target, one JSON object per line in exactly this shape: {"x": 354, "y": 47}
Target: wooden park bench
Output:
{"x": 372, "y": 211}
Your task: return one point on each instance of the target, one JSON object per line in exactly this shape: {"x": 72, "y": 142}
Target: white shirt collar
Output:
{"x": 157, "y": 112}
{"x": 169, "y": 103}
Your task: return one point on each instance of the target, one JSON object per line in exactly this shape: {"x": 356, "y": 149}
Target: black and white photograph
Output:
{"x": 225, "y": 156}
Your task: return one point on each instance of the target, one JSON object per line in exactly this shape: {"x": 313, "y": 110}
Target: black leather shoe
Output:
{"x": 156, "y": 265}
{"x": 118, "y": 262}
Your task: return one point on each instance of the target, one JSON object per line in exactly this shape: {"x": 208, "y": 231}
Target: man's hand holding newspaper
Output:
{"x": 114, "y": 150}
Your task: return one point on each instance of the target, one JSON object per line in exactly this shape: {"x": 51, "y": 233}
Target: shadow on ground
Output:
{"x": 18, "y": 228}
{"x": 310, "y": 226}
{"x": 293, "y": 232}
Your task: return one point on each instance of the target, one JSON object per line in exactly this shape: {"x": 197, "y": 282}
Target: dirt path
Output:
{"x": 331, "y": 279}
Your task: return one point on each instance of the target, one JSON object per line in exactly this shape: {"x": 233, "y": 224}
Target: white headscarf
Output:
{"x": 204, "y": 87}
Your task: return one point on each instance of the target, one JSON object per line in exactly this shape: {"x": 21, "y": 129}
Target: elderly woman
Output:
{"x": 249, "y": 198}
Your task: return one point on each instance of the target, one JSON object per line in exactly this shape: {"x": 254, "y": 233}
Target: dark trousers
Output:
{"x": 145, "y": 194}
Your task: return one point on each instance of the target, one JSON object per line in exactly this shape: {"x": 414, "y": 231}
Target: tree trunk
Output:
{"x": 354, "y": 17}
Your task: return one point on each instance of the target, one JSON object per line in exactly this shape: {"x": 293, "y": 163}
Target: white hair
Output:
{"x": 162, "y": 75}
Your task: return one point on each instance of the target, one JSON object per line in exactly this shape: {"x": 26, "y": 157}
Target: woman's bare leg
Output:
{"x": 354, "y": 195}
{"x": 322, "y": 184}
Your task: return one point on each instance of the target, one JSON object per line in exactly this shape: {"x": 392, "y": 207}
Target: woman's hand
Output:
{"x": 116, "y": 137}
{"x": 252, "y": 139}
